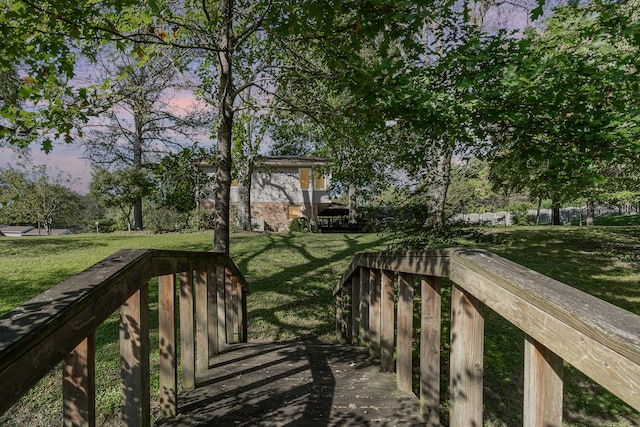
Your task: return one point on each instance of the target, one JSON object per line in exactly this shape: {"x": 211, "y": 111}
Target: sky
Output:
{"x": 63, "y": 157}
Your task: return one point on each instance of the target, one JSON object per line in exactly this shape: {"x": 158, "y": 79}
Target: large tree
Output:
{"x": 217, "y": 35}
{"x": 141, "y": 122}
{"x": 567, "y": 110}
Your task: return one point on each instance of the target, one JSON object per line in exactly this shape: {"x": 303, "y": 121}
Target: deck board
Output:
{"x": 295, "y": 384}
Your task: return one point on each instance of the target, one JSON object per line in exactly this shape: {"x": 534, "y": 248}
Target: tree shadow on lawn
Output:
{"x": 296, "y": 300}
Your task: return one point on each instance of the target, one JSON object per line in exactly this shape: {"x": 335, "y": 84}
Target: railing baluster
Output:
{"x": 228, "y": 304}
{"x": 244, "y": 326}
{"x": 467, "y": 346}
{"x": 348, "y": 319}
{"x": 237, "y": 309}
{"x": 431, "y": 318}
{"x": 340, "y": 305}
{"x": 79, "y": 385}
{"x": 202, "y": 321}
{"x": 542, "y": 385}
{"x": 212, "y": 311}
{"x": 355, "y": 308}
{"x": 405, "y": 332}
{"x": 374, "y": 312}
{"x": 187, "y": 345}
{"x": 364, "y": 306}
{"x": 134, "y": 357}
{"x": 167, "y": 336}
{"x": 222, "y": 307}
{"x": 387, "y": 330}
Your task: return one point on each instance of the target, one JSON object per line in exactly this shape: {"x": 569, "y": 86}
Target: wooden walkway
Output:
{"x": 295, "y": 384}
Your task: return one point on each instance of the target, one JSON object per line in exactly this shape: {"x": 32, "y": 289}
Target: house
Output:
{"x": 27, "y": 230}
{"x": 283, "y": 188}
{"x": 16, "y": 230}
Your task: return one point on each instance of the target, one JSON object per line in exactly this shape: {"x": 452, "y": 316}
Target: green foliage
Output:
{"x": 177, "y": 182}
{"x": 520, "y": 215}
{"x": 165, "y": 219}
{"x": 302, "y": 224}
{"x": 568, "y": 102}
{"x": 30, "y": 196}
{"x": 120, "y": 189}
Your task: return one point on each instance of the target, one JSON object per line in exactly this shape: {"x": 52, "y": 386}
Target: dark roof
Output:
{"x": 334, "y": 209}
{"x": 293, "y": 160}
{"x": 296, "y": 161}
{"x": 16, "y": 229}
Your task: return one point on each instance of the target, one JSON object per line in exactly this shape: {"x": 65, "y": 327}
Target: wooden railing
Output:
{"x": 60, "y": 325}
{"x": 560, "y": 324}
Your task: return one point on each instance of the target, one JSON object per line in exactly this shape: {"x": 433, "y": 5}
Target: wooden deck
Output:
{"x": 295, "y": 384}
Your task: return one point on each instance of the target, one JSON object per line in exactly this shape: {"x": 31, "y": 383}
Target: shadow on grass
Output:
{"x": 296, "y": 301}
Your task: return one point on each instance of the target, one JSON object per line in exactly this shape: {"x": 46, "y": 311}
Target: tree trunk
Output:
{"x": 438, "y": 179}
{"x": 244, "y": 205}
{"x": 556, "y": 214}
{"x": 225, "y": 127}
{"x": 353, "y": 207}
{"x": 538, "y": 211}
{"x": 591, "y": 210}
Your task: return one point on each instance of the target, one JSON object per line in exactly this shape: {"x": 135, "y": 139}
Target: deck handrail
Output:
{"x": 560, "y": 324}
{"x": 59, "y": 325}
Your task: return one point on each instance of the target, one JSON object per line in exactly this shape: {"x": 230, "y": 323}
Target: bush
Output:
{"x": 301, "y": 224}
{"x": 105, "y": 225}
{"x": 519, "y": 211}
{"x": 164, "y": 219}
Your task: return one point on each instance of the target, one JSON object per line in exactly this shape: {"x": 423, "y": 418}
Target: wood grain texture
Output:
{"x": 79, "y": 385}
{"x": 168, "y": 346}
{"x": 187, "y": 330}
{"x": 467, "y": 356}
{"x": 430, "y": 326}
{"x": 543, "y": 386}
{"x": 134, "y": 359}
{"x": 404, "y": 362}
{"x": 387, "y": 325}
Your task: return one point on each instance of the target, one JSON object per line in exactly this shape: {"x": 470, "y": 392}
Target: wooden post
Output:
{"x": 467, "y": 346}
{"x": 134, "y": 357}
{"x": 212, "y": 312}
{"x": 241, "y": 310}
{"x": 245, "y": 323}
{"x": 222, "y": 304}
{"x": 374, "y": 312}
{"x": 231, "y": 303}
{"x": 340, "y": 330}
{"x": 187, "y": 344}
{"x": 231, "y": 307}
{"x": 348, "y": 320}
{"x": 355, "y": 308}
{"x": 387, "y": 325}
{"x": 543, "y": 384}
{"x": 202, "y": 322}
{"x": 405, "y": 332}
{"x": 79, "y": 385}
{"x": 365, "y": 293}
{"x": 431, "y": 318}
{"x": 168, "y": 341}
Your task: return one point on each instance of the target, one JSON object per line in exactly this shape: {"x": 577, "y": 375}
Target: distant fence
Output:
{"x": 503, "y": 218}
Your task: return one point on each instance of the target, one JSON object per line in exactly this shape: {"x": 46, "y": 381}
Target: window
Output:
{"x": 305, "y": 179}
{"x": 294, "y": 212}
{"x": 319, "y": 183}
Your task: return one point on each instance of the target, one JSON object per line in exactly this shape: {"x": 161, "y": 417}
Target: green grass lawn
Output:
{"x": 291, "y": 277}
